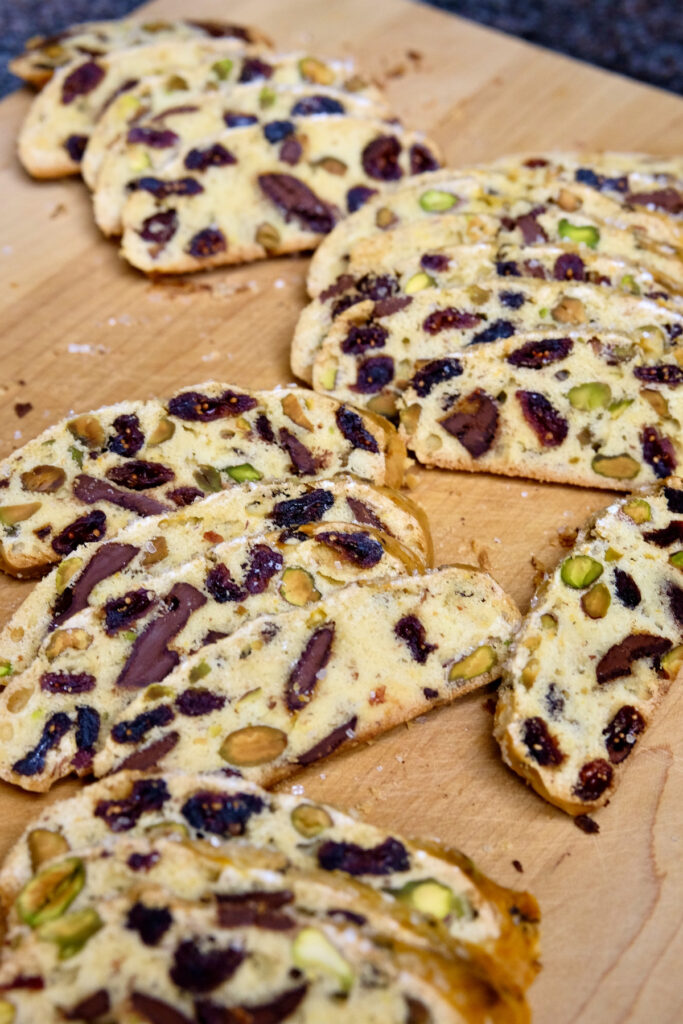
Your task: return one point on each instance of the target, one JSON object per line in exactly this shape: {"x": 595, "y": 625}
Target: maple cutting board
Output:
{"x": 80, "y": 328}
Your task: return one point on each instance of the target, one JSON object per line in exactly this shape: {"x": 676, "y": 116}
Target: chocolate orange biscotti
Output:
{"x": 85, "y": 478}
{"x": 46, "y": 54}
{"x": 597, "y": 652}
{"x": 440, "y": 887}
{"x": 157, "y": 544}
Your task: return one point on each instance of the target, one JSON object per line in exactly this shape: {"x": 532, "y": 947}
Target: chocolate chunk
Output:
{"x": 143, "y": 861}
{"x": 75, "y": 147}
{"x": 155, "y": 138}
{"x": 548, "y": 425}
{"x": 380, "y": 158}
{"x": 507, "y": 268}
{"x": 311, "y": 506}
{"x": 622, "y": 733}
{"x": 661, "y": 373}
{"x": 392, "y": 304}
{"x": 535, "y": 354}
{"x": 212, "y": 156}
{"x": 658, "y": 452}
{"x": 436, "y": 372}
{"x": 156, "y": 1011}
{"x": 473, "y": 420}
{"x": 151, "y": 923}
{"x": 91, "y": 1007}
{"x": 34, "y": 762}
{"x": 329, "y": 743}
{"x": 513, "y": 300}
{"x": 276, "y": 131}
{"x": 569, "y": 267}
{"x": 291, "y": 152}
{"x": 303, "y": 462}
{"x": 675, "y": 596}
{"x": 543, "y": 747}
{"x": 667, "y": 199}
{"x": 298, "y": 202}
{"x": 89, "y": 489}
{"x": 429, "y": 693}
{"x": 67, "y": 682}
{"x": 383, "y": 859}
{"x": 222, "y": 30}
{"x": 356, "y": 547}
{"x": 120, "y": 612}
{"x": 192, "y": 405}
{"x": 494, "y": 332}
{"x": 207, "y": 243}
{"x": 627, "y": 589}
{"x": 160, "y": 227}
{"x": 309, "y": 668}
{"x": 674, "y": 499}
{"x": 531, "y": 230}
{"x": 358, "y": 196}
{"x": 255, "y": 910}
{"x": 422, "y": 159}
{"x": 90, "y": 527}
{"x": 222, "y": 814}
{"x": 137, "y": 728}
{"x": 82, "y": 80}
{"x": 264, "y": 563}
{"x": 362, "y": 514}
{"x": 273, "y": 1012}
{"x": 254, "y": 69}
{"x": 161, "y": 189}
{"x": 235, "y": 119}
{"x": 197, "y": 971}
{"x": 128, "y": 438}
{"x": 139, "y": 475}
{"x": 183, "y": 496}
{"x": 317, "y": 104}
{"x": 221, "y": 585}
{"x": 123, "y": 814}
{"x": 87, "y": 728}
{"x": 412, "y": 632}
{"x": 341, "y": 284}
{"x": 108, "y": 560}
{"x": 351, "y": 426}
{"x": 149, "y": 757}
{"x": 150, "y": 661}
{"x": 374, "y": 374}
{"x": 449, "y": 319}
{"x": 617, "y": 661}
{"x": 264, "y": 428}
{"x": 198, "y": 701}
{"x": 667, "y": 535}
{"x": 360, "y": 339}
{"x": 594, "y": 778}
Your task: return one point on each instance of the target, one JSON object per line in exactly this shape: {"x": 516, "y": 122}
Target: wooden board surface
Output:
{"x": 80, "y": 329}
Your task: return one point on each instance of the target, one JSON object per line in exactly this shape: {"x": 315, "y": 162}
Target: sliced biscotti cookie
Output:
{"x": 526, "y": 211}
{"x": 376, "y": 346}
{"x": 500, "y": 923}
{"x": 581, "y": 409}
{"x": 159, "y": 543}
{"x": 390, "y": 268}
{"x": 149, "y": 125}
{"x": 45, "y": 54}
{"x": 265, "y": 192}
{"x": 283, "y": 692}
{"x": 137, "y": 628}
{"x": 85, "y": 478}
{"x": 597, "y": 652}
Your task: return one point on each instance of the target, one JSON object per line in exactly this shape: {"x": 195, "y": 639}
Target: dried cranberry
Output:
{"x": 554, "y": 701}
{"x": 128, "y": 438}
{"x": 139, "y": 475}
{"x": 82, "y": 80}
{"x": 675, "y": 596}
{"x": 160, "y": 227}
{"x": 67, "y": 682}
{"x": 183, "y": 496}
{"x": 298, "y": 202}
{"x": 75, "y": 147}
{"x": 658, "y": 452}
{"x": 617, "y": 661}
{"x": 494, "y": 332}
{"x": 360, "y": 339}
{"x": 378, "y": 286}
{"x": 358, "y": 196}
{"x": 222, "y": 814}
{"x": 213, "y": 156}
{"x": 533, "y": 268}
{"x": 273, "y": 1012}
{"x": 303, "y": 462}
{"x": 87, "y": 728}
{"x": 264, "y": 563}
{"x": 380, "y": 158}
{"x": 137, "y": 728}
{"x": 151, "y": 923}
{"x": 276, "y": 131}
{"x": 123, "y": 814}
{"x": 235, "y": 119}
{"x": 90, "y": 527}
{"x": 412, "y": 632}
{"x": 594, "y": 778}
{"x": 221, "y": 585}
{"x": 383, "y": 859}
{"x": 306, "y": 672}
{"x": 569, "y": 267}
{"x": 317, "y": 104}
{"x": 662, "y": 373}
{"x": 253, "y": 69}
{"x": 543, "y": 747}
{"x": 328, "y": 744}
{"x": 449, "y": 319}
{"x": 422, "y": 159}
{"x": 291, "y": 151}
{"x": 192, "y": 405}
{"x": 143, "y": 861}
{"x": 436, "y": 372}
{"x": 355, "y": 547}
{"x": 667, "y": 535}
{"x": 513, "y": 300}
{"x": 667, "y": 199}
{"x": 435, "y": 261}
{"x": 627, "y": 589}
{"x": 535, "y": 354}
{"x": 34, "y": 762}
{"x": 507, "y": 268}
{"x": 351, "y": 426}
{"x": 198, "y": 701}
{"x": 120, "y": 612}
{"x": 206, "y": 243}
{"x": 156, "y": 138}
{"x": 674, "y": 499}
{"x": 473, "y": 420}
{"x": 373, "y": 374}
{"x": 161, "y": 189}
{"x": 548, "y": 425}
{"x": 586, "y": 176}
{"x": 309, "y": 507}
{"x": 150, "y": 660}
{"x": 264, "y": 428}
{"x": 622, "y": 733}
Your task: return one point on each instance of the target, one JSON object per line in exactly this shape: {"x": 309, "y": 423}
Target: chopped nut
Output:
{"x": 268, "y": 236}
{"x": 298, "y": 588}
{"x": 475, "y": 664}
{"x": 44, "y": 845}
{"x": 163, "y": 431}
{"x": 579, "y": 571}
{"x": 434, "y": 200}
{"x": 385, "y": 218}
{"x": 43, "y": 479}
{"x": 159, "y": 552}
{"x": 253, "y": 745}
{"x": 418, "y": 282}
{"x": 47, "y": 895}
{"x": 657, "y": 400}
{"x": 569, "y": 311}
{"x": 566, "y": 200}
{"x": 619, "y": 467}
{"x": 88, "y": 430}
{"x": 314, "y": 70}
{"x": 596, "y": 602}
{"x": 67, "y": 639}
{"x": 291, "y": 407}
{"x": 332, "y": 165}
{"x": 310, "y": 820}
{"x": 11, "y": 514}
{"x": 590, "y": 396}
{"x": 72, "y": 932}
{"x": 638, "y": 510}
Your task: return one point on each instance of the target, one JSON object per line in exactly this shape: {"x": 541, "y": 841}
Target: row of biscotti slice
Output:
{"x": 584, "y": 206}
{"x": 597, "y": 652}
{"x": 157, "y": 544}
{"x": 368, "y": 354}
{"x": 45, "y": 54}
{"x": 419, "y": 259}
{"x": 441, "y": 889}
{"x": 278, "y": 693}
{"x": 574, "y": 408}
{"x": 87, "y": 477}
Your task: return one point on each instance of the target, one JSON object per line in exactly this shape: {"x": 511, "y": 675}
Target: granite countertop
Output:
{"x": 639, "y": 38}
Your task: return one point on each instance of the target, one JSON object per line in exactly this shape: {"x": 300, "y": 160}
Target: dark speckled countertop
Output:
{"x": 639, "y": 38}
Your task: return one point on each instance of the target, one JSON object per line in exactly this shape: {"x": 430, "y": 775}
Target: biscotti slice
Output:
{"x": 527, "y": 212}
{"x": 500, "y": 923}
{"x": 597, "y": 652}
{"x": 375, "y": 347}
{"x": 45, "y": 54}
{"x": 159, "y": 543}
{"x": 579, "y": 409}
{"x": 87, "y": 477}
{"x": 263, "y": 197}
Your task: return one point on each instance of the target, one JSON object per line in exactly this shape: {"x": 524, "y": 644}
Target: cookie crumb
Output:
{"x": 489, "y": 705}
{"x": 517, "y": 865}
{"x": 586, "y": 824}
{"x": 22, "y": 408}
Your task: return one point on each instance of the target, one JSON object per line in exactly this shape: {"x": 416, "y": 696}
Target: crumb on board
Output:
{"x": 22, "y": 408}
{"x": 586, "y": 824}
{"x": 517, "y": 865}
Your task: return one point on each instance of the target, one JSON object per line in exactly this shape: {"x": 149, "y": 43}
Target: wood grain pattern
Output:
{"x": 80, "y": 329}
